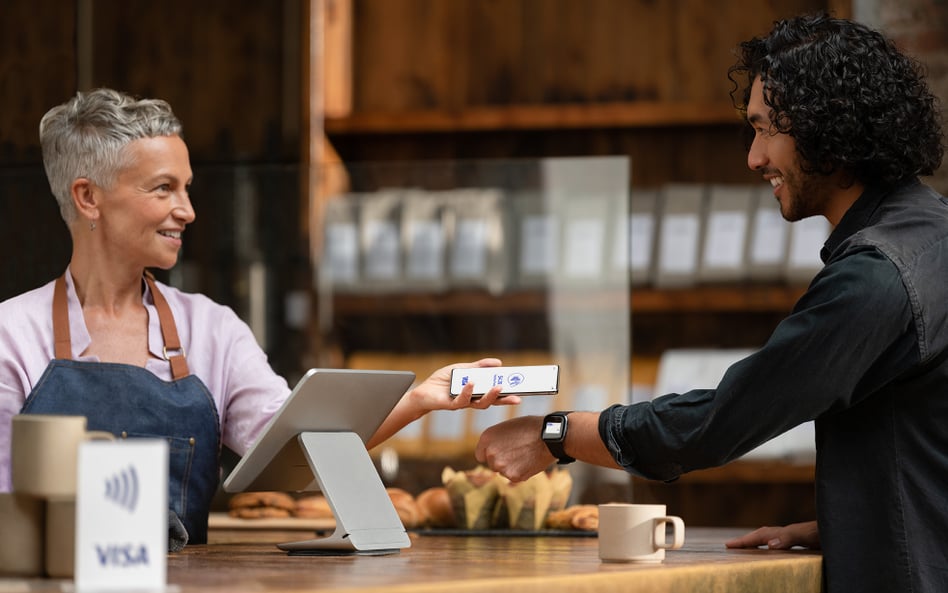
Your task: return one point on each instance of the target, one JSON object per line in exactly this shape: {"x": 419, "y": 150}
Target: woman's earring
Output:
{"x": 92, "y": 225}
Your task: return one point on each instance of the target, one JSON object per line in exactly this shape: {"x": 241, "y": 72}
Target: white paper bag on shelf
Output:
{"x": 535, "y": 243}
{"x": 380, "y": 241}
{"x": 680, "y": 234}
{"x": 725, "y": 235}
{"x": 476, "y": 254}
{"x": 769, "y": 237}
{"x": 339, "y": 269}
{"x": 642, "y": 234}
{"x": 424, "y": 241}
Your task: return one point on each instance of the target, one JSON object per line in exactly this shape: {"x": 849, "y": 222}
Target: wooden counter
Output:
{"x": 244, "y": 561}
{"x": 238, "y": 561}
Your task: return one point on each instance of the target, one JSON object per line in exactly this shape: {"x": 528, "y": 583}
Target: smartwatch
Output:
{"x": 554, "y": 435}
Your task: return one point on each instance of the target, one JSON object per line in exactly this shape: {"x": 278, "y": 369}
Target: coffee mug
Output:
{"x": 60, "y": 537}
{"x": 21, "y": 542}
{"x": 45, "y": 450}
{"x": 636, "y": 532}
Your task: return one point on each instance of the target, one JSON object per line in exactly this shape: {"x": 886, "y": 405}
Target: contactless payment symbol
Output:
{"x": 122, "y": 488}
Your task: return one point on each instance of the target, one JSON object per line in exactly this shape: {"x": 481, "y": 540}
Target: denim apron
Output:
{"x": 131, "y": 402}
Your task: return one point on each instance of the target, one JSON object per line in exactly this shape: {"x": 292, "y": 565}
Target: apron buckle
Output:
{"x": 164, "y": 352}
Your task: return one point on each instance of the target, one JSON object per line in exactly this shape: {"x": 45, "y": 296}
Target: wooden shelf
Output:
{"x": 776, "y": 298}
{"x": 752, "y": 472}
{"x": 536, "y": 117}
{"x": 731, "y": 298}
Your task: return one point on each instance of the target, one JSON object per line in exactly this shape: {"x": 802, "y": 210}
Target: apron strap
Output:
{"x": 172, "y": 351}
{"x": 61, "y": 337}
{"x": 169, "y": 331}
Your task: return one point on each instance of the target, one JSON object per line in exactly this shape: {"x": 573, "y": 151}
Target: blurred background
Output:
{"x": 409, "y": 131}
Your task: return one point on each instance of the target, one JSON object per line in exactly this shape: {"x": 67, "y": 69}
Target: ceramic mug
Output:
{"x": 636, "y": 532}
{"x": 21, "y": 542}
{"x": 44, "y": 453}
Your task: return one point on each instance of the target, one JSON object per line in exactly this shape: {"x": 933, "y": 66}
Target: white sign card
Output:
{"x": 539, "y": 245}
{"x": 679, "y": 243}
{"x": 469, "y": 259}
{"x": 770, "y": 241}
{"x": 122, "y": 516}
{"x": 584, "y": 248}
{"x": 724, "y": 243}
{"x": 426, "y": 250}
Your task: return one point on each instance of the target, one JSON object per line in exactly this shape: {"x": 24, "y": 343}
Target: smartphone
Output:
{"x": 519, "y": 380}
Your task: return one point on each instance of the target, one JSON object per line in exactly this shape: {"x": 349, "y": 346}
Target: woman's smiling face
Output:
{"x": 144, "y": 213}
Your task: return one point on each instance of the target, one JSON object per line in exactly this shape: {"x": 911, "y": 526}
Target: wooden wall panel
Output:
{"x": 37, "y": 71}
{"x": 219, "y": 64}
{"x": 426, "y": 54}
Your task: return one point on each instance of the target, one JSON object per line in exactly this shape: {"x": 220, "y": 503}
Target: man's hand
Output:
{"x": 806, "y": 535}
{"x": 514, "y": 449}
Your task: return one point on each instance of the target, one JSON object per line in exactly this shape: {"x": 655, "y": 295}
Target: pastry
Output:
{"x": 436, "y": 508}
{"x": 258, "y": 505}
{"x": 313, "y": 507}
{"x": 584, "y": 517}
{"x": 406, "y": 507}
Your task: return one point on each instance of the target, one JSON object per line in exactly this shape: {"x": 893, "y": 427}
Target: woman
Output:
{"x": 137, "y": 357}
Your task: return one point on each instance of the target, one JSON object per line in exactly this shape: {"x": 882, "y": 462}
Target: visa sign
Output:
{"x": 122, "y": 516}
{"x": 121, "y": 555}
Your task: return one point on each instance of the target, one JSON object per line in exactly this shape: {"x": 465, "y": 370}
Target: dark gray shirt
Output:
{"x": 865, "y": 354}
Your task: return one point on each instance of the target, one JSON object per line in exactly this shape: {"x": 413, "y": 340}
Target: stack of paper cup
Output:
{"x": 39, "y": 516}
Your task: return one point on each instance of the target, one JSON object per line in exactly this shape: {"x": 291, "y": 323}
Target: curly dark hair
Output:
{"x": 850, "y": 99}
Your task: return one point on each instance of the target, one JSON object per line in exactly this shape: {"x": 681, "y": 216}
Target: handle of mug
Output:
{"x": 678, "y": 533}
{"x": 99, "y": 435}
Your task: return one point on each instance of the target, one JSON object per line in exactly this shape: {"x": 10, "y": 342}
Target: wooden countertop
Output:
{"x": 248, "y": 561}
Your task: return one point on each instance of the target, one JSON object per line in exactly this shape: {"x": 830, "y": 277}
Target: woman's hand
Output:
{"x": 433, "y": 394}
{"x": 806, "y": 535}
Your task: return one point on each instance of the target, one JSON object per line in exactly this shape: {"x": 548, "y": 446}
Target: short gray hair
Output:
{"x": 87, "y": 135}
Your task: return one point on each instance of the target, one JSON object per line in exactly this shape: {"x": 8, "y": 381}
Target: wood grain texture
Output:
{"x": 489, "y": 564}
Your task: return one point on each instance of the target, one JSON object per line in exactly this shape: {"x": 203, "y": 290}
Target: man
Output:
{"x": 843, "y": 125}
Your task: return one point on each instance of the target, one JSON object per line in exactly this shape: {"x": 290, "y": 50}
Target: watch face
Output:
{"x": 553, "y": 429}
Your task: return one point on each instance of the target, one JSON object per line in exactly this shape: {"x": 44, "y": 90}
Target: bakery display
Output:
{"x": 474, "y": 494}
{"x": 483, "y": 499}
{"x": 477, "y": 499}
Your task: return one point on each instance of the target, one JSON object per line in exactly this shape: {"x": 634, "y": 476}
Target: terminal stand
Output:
{"x": 366, "y": 520}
